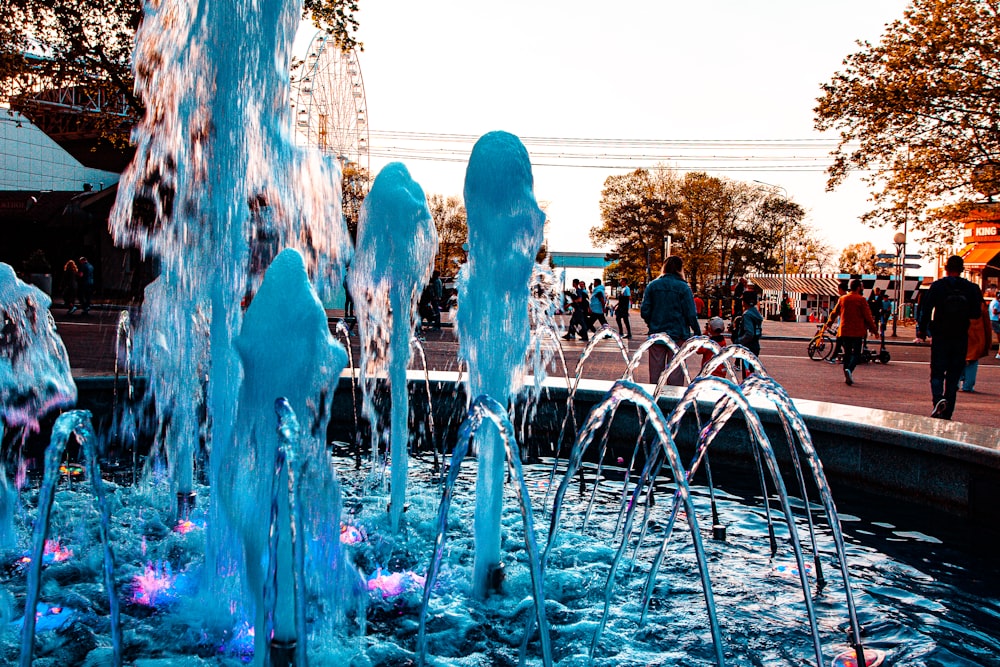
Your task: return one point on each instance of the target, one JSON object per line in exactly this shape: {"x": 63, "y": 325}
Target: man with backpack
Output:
{"x": 946, "y": 309}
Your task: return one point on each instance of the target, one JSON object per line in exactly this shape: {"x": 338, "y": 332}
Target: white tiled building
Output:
{"x": 30, "y": 161}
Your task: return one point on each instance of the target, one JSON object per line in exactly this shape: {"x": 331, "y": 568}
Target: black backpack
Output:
{"x": 951, "y": 314}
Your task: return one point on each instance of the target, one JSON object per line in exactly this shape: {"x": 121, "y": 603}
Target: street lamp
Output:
{"x": 899, "y": 267}
{"x": 898, "y": 240}
{"x": 784, "y": 223}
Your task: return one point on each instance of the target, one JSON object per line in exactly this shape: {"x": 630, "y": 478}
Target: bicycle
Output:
{"x": 822, "y": 345}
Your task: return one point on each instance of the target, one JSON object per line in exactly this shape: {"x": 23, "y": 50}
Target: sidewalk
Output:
{"x": 900, "y": 386}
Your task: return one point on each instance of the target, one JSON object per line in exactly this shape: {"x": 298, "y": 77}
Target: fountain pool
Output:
{"x": 244, "y": 538}
{"x": 926, "y": 590}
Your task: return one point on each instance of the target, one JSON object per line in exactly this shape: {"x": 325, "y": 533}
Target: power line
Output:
{"x": 775, "y": 155}
{"x": 771, "y": 144}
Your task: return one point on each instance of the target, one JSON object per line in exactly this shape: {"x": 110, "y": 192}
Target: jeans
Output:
{"x": 578, "y": 323}
{"x": 969, "y": 375}
{"x": 620, "y": 318}
{"x": 852, "y": 351}
{"x": 659, "y": 356}
{"x": 947, "y": 366}
{"x": 595, "y": 317}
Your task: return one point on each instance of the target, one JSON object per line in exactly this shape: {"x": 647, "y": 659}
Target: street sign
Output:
{"x": 911, "y": 266}
{"x": 914, "y": 256}
{"x": 885, "y": 265}
{"x": 885, "y": 255}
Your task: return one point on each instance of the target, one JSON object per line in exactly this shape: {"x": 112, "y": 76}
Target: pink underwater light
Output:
{"x": 395, "y": 583}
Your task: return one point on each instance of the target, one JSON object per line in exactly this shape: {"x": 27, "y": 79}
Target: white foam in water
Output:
{"x": 397, "y": 242}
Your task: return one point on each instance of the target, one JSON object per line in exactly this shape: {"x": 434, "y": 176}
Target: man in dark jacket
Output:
{"x": 668, "y": 307}
{"x": 945, "y": 311}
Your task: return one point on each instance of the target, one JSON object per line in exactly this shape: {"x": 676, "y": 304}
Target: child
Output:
{"x": 714, "y": 329}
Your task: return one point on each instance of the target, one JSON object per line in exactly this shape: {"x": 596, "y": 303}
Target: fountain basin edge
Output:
{"x": 933, "y": 463}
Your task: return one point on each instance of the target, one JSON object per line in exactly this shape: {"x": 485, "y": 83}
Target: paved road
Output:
{"x": 902, "y": 385}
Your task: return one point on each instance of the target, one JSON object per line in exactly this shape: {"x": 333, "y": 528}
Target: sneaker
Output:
{"x": 939, "y": 409}
{"x": 998, "y": 356}
{"x": 848, "y": 377}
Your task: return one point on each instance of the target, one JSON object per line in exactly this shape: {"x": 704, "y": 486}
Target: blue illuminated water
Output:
{"x": 288, "y": 546}
{"x": 926, "y": 594}
{"x": 394, "y": 256}
{"x": 505, "y": 234}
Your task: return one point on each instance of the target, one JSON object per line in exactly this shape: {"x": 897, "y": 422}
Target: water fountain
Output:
{"x": 290, "y": 557}
{"x": 505, "y": 234}
{"x": 397, "y": 242}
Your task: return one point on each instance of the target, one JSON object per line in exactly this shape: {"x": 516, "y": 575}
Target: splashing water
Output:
{"x": 397, "y": 241}
{"x": 392, "y": 584}
{"x": 216, "y": 188}
{"x": 35, "y": 377}
{"x": 505, "y": 234}
{"x": 286, "y": 349}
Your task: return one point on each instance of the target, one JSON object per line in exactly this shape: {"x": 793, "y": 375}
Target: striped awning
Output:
{"x": 820, "y": 284}
{"x": 799, "y": 285}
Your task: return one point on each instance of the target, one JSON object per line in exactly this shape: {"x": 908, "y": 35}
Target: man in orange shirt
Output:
{"x": 855, "y": 322}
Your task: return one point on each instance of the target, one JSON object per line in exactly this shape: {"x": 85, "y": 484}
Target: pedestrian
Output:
{"x": 738, "y": 290}
{"x": 785, "y": 310}
{"x": 581, "y": 310}
{"x": 751, "y": 324}
{"x": 888, "y": 308}
{"x": 623, "y": 306}
{"x": 855, "y": 322}
{"x": 995, "y": 317}
{"x": 945, "y": 311}
{"x": 980, "y": 337}
{"x": 597, "y": 301}
{"x": 699, "y": 306}
{"x": 70, "y": 278}
{"x": 86, "y": 284}
{"x": 668, "y": 307}
{"x": 833, "y": 322}
{"x": 876, "y": 303}
{"x": 437, "y": 292}
{"x": 715, "y": 329}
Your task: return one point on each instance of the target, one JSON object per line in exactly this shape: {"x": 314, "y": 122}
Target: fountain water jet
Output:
{"x": 286, "y": 349}
{"x": 505, "y": 234}
{"x": 397, "y": 241}
{"x": 35, "y": 376}
{"x": 74, "y": 422}
{"x": 211, "y": 170}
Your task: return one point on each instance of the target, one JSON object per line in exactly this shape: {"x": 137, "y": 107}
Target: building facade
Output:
{"x": 981, "y": 251}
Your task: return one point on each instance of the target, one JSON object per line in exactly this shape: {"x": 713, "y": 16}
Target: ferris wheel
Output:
{"x": 329, "y": 104}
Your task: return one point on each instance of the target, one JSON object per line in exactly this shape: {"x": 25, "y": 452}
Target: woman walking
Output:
{"x": 70, "y": 276}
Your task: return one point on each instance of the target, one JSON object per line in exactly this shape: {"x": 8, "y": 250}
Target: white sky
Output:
{"x": 664, "y": 70}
